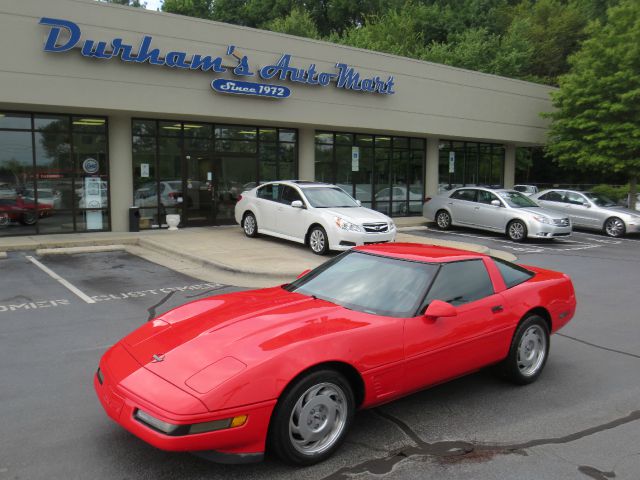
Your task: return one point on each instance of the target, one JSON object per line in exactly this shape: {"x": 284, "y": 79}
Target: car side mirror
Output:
{"x": 297, "y": 204}
{"x": 359, "y": 203}
{"x": 496, "y": 203}
{"x": 303, "y": 273}
{"x": 438, "y": 308}
{"x": 586, "y": 204}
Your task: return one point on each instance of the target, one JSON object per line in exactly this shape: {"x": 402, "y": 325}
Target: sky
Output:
{"x": 153, "y": 4}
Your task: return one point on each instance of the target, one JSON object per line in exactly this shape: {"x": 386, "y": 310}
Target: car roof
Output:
{"x": 420, "y": 252}
{"x": 299, "y": 183}
{"x": 488, "y": 189}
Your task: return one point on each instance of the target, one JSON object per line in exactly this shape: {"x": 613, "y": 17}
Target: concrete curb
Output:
{"x": 281, "y": 275}
{"x": 73, "y": 250}
{"x": 3, "y": 254}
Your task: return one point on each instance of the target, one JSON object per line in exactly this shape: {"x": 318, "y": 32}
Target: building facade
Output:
{"x": 104, "y": 107}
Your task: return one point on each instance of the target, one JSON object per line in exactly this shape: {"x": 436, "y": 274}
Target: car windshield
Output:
{"x": 369, "y": 283}
{"x": 327, "y": 197}
{"x": 517, "y": 200}
{"x": 600, "y": 200}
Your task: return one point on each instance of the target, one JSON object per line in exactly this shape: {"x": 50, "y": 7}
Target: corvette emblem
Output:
{"x": 157, "y": 358}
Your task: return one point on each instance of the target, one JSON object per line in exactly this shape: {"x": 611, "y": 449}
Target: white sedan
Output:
{"x": 320, "y": 215}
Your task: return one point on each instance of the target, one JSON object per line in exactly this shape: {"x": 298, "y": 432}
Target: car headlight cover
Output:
{"x": 344, "y": 225}
{"x": 542, "y": 219}
{"x": 156, "y": 423}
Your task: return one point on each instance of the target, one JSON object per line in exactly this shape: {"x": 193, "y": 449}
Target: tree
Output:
{"x": 190, "y": 8}
{"x": 596, "y": 123}
{"x": 129, "y": 3}
{"x": 298, "y": 23}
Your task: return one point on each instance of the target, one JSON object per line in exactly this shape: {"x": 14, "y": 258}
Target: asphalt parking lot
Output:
{"x": 580, "y": 420}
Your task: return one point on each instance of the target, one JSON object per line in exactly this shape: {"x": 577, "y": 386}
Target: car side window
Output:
{"x": 460, "y": 282}
{"x": 551, "y": 197}
{"x": 289, "y": 194}
{"x": 574, "y": 198}
{"x": 269, "y": 192}
{"x": 512, "y": 274}
{"x": 468, "y": 195}
{"x": 486, "y": 197}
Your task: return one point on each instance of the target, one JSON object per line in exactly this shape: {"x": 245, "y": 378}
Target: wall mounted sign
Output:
{"x": 452, "y": 162}
{"x": 355, "y": 159}
{"x": 65, "y": 35}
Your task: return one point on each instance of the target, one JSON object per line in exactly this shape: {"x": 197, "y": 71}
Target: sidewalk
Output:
{"x": 221, "y": 254}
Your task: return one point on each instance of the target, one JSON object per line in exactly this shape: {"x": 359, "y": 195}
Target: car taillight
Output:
{"x": 426, "y": 199}
{"x": 239, "y": 197}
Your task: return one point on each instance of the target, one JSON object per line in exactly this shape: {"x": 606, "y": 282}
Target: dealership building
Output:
{"x": 104, "y": 107}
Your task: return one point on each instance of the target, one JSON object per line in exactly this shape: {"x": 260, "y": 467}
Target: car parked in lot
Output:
{"x": 320, "y": 215}
{"x": 496, "y": 210}
{"x": 591, "y": 211}
{"x": 285, "y": 368}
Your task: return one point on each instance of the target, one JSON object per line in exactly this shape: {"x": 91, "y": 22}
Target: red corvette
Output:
{"x": 285, "y": 368}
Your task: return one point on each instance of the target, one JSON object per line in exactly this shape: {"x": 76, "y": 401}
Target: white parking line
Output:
{"x": 561, "y": 244}
{"x": 62, "y": 281}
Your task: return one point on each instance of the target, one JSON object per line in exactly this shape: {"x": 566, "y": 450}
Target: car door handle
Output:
{"x": 450, "y": 203}
{"x": 476, "y": 208}
{"x": 497, "y": 309}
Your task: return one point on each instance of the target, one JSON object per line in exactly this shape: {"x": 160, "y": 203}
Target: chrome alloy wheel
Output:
{"x": 614, "y": 227}
{"x": 318, "y": 419}
{"x": 317, "y": 240}
{"x": 516, "y": 231}
{"x": 249, "y": 225}
{"x": 443, "y": 220}
{"x": 532, "y": 350}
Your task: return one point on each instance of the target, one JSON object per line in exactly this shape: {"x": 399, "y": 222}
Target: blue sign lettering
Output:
{"x": 65, "y": 35}
{"x": 249, "y": 88}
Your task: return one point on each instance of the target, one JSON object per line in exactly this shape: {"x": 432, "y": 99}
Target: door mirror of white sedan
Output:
{"x": 438, "y": 308}
{"x": 496, "y": 203}
{"x": 297, "y": 204}
{"x": 359, "y": 203}
{"x": 586, "y": 204}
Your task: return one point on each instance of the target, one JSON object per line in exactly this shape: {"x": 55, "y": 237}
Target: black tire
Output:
{"x": 318, "y": 240}
{"x": 29, "y": 218}
{"x": 517, "y": 231}
{"x": 250, "y": 225}
{"x": 336, "y": 402}
{"x": 614, "y": 227}
{"x": 443, "y": 220}
{"x": 523, "y": 371}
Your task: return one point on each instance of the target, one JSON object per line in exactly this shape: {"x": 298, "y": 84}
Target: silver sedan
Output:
{"x": 591, "y": 210}
{"x": 504, "y": 211}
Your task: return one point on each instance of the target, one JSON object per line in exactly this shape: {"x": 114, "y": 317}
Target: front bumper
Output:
{"x": 232, "y": 445}
{"x": 344, "y": 239}
{"x": 544, "y": 230}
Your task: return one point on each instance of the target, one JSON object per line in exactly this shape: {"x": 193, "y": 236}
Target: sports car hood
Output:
{"x": 358, "y": 215}
{"x": 220, "y": 336}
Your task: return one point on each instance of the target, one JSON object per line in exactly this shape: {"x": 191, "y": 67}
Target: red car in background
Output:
{"x": 284, "y": 369}
{"x": 23, "y": 210}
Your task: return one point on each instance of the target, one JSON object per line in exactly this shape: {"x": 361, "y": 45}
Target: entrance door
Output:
{"x": 234, "y": 173}
{"x": 199, "y": 189}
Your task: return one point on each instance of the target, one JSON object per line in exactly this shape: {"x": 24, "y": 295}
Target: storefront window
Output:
{"x": 199, "y": 170}
{"x": 473, "y": 164}
{"x": 54, "y": 174}
{"x": 386, "y": 173}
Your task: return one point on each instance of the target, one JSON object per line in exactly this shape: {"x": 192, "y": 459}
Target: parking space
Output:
{"x": 580, "y": 420}
{"x": 579, "y": 240}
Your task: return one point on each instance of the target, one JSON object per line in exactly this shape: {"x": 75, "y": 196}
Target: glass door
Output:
{"x": 199, "y": 189}
{"x": 234, "y": 173}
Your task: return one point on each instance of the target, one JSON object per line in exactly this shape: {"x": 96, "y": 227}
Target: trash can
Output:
{"x": 134, "y": 219}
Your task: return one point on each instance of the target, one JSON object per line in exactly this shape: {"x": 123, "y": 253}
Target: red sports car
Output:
{"x": 283, "y": 369}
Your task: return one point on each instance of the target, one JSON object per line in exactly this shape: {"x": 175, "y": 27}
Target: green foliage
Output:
{"x": 597, "y": 121}
{"x": 614, "y": 193}
{"x": 190, "y": 8}
{"x": 129, "y": 3}
{"x": 298, "y": 23}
